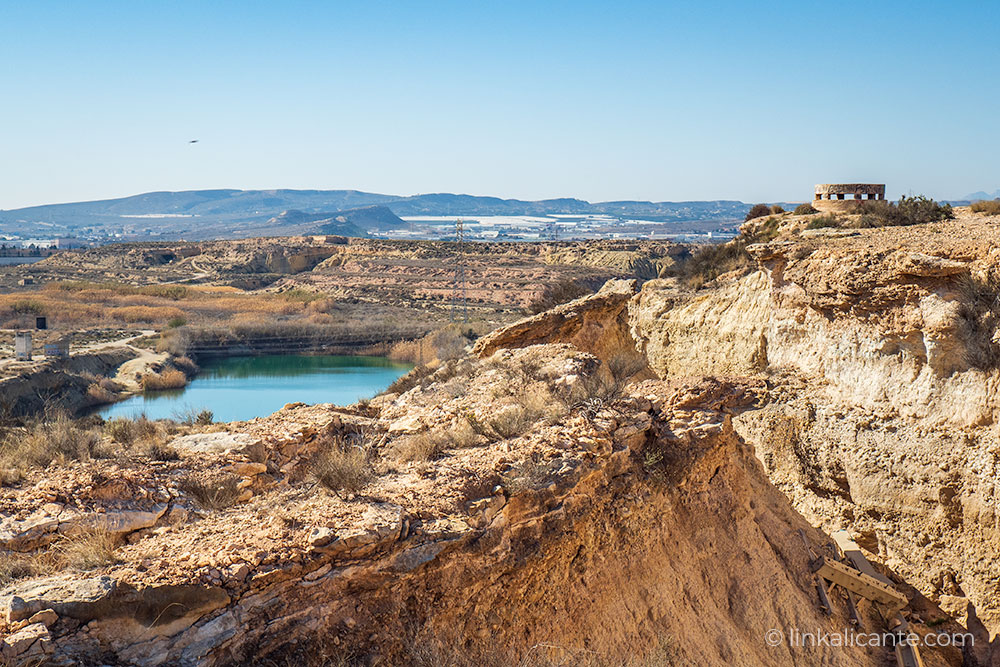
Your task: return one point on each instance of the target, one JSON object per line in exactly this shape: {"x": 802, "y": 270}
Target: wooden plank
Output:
{"x": 858, "y": 582}
{"x": 852, "y": 552}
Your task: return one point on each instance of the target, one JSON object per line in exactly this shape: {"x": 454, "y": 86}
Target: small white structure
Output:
{"x": 22, "y": 345}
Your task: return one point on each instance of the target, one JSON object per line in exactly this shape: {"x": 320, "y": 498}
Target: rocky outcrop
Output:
{"x": 636, "y": 528}
{"x": 60, "y": 384}
{"x": 880, "y": 352}
{"x": 596, "y": 323}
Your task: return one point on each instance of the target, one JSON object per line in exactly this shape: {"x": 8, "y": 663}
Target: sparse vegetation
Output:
{"x": 98, "y": 393}
{"x": 344, "y": 465}
{"x": 712, "y": 261}
{"x": 776, "y": 209}
{"x": 907, "y": 211}
{"x": 87, "y": 549}
{"x": 980, "y": 317}
{"x": 989, "y": 207}
{"x": 828, "y": 220}
{"x": 804, "y": 209}
{"x": 757, "y": 211}
{"x": 14, "y": 566}
{"x": 528, "y": 475}
{"x": 212, "y": 493}
{"x": 441, "y": 345}
{"x": 430, "y": 444}
{"x": 195, "y": 417}
{"x": 559, "y": 293}
{"x": 40, "y": 443}
{"x": 170, "y": 378}
{"x": 142, "y": 436}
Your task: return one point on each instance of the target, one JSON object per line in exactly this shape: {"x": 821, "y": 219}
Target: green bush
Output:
{"x": 757, "y": 211}
{"x": 175, "y": 322}
{"x": 804, "y": 209}
{"x": 907, "y": 211}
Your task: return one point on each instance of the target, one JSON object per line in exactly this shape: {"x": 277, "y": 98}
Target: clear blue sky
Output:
{"x": 628, "y": 100}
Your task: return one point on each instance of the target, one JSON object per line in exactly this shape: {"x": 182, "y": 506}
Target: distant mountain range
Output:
{"x": 240, "y": 213}
{"x": 976, "y": 196}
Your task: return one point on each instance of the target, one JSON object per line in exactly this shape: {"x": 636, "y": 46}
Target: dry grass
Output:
{"x": 126, "y": 431}
{"x": 14, "y": 566}
{"x": 431, "y": 444}
{"x": 213, "y": 493}
{"x": 980, "y": 318}
{"x": 87, "y": 550}
{"x": 41, "y": 443}
{"x": 84, "y": 303}
{"x": 828, "y": 220}
{"x": 168, "y": 379}
{"x": 343, "y": 468}
{"x": 98, "y": 394}
{"x": 991, "y": 207}
{"x": 441, "y": 345}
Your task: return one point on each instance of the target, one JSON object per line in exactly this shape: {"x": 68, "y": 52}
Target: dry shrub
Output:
{"x": 776, "y": 209}
{"x": 14, "y": 566}
{"x": 430, "y": 444}
{"x": 420, "y": 447}
{"x": 510, "y": 421}
{"x": 42, "y": 443}
{"x": 146, "y": 314}
{"x": 213, "y": 493}
{"x": 991, "y": 207}
{"x": 979, "y": 315}
{"x": 441, "y": 345}
{"x": 828, "y": 220}
{"x": 554, "y": 295}
{"x": 97, "y": 393}
{"x": 757, "y": 211}
{"x": 343, "y": 468}
{"x": 804, "y": 209}
{"x": 186, "y": 364}
{"x": 195, "y": 417}
{"x": 142, "y": 436}
{"x": 126, "y": 431}
{"x": 907, "y": 211}
{"x": 712, "y": 261}
{"x": 168, "y": 379}
{"x": 528, "y": 475}
{"x": 87, "y": 549}
{"x": 535, "y": 403}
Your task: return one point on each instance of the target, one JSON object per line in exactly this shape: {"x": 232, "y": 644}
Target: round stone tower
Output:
{"x": 845, "y": 197}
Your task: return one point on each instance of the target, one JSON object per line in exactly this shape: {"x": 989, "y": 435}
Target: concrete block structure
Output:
{"x": 22, "y": 345}
{"x": 846, "y": 197}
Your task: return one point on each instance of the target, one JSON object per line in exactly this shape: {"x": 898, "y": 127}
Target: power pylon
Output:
{"x": 460, "y": 288}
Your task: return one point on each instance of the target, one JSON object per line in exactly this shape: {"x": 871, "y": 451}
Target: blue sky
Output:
{"x": 628, "y": 100}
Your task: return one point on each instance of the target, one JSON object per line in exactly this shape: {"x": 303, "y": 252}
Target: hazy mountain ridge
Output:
{"x": 976, "y": 196}
{"x": 264, "y": 204}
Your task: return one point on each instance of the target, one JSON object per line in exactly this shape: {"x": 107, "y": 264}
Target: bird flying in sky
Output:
{"x": 193, "y": 141}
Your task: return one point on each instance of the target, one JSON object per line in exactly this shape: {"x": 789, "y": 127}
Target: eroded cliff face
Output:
{"x": 879, "y": 350}
{"x": 640, "y": 530}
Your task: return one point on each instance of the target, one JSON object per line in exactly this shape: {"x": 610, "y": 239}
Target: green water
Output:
{"x": 238, "y": 388}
